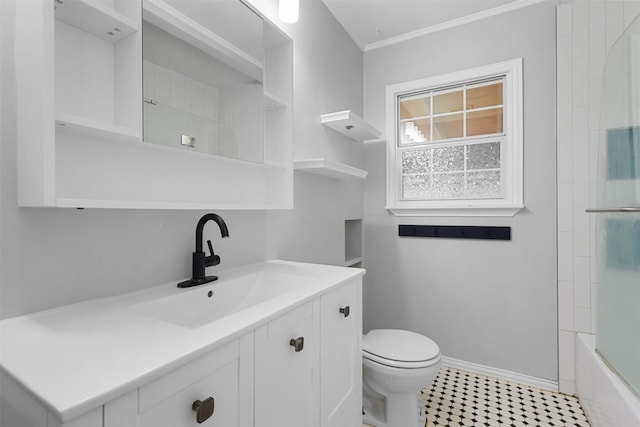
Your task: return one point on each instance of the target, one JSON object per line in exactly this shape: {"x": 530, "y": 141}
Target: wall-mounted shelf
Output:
{"x": 329, "y": 168}
{"x": 96, "y": 18}
{"x": 350, "y": 124}
{"x": 87, "y": 127}
{"x": 273, "y": 101}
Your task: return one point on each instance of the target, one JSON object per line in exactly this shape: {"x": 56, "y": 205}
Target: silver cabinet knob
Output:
{"x": 204, "y": 409}
{"x": 345, "y": 311}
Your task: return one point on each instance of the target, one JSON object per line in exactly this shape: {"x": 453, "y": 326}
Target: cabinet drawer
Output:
{"x": 168, "y": 401}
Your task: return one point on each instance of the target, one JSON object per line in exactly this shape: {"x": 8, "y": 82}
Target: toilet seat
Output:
{"x": 400, "y": 349}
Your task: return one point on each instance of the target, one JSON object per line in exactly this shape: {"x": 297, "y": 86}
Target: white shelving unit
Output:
{"x": 330, "y": 168}
{"x": 80, "y": 116}
{"x": 97, "y": 19}
{"x": 351, "y": 125}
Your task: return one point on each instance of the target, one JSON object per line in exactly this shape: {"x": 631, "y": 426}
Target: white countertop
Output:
{"x": 75, "y": 358}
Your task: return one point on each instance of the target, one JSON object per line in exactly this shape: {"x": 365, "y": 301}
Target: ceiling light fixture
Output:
{"x": 288, "y": 11}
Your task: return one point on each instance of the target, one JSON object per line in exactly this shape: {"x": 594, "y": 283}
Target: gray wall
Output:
{"x": 486, "y": 302}
{"x": 53, "y": 257}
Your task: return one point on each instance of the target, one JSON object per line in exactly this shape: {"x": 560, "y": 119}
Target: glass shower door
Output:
{"x": 618, "y": 211}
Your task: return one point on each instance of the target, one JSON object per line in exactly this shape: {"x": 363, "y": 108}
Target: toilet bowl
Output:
{"x": 397, "y": 365}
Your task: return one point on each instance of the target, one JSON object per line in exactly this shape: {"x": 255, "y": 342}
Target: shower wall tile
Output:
{"x": 565, "y": 157}
{"x": 614, "y": 21}
{"x": 564, "y": 20}
{"x": 583, "y": 319}
{"x": 581, "y": 127}
{"x": 565, "y": 206}
{"x": 597, "y": 14}
{"x": 631, "y": 9}
{"x": 586, "y": 30}
{"x": 565, "y": 306}
{"x": 566, "y": 348}
{"x": 580, "y": 178}
{"x": 582, "y": 282}
{"x": 565, "y": 256}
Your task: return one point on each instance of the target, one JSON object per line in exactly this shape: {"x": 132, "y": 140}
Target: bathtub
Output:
{"x": 606, "y": 400}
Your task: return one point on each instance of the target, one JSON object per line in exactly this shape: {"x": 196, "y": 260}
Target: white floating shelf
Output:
{"x": 329, "y": 168}
{"x": 95, "y": 128}
{"x": 95, "y": 18}
{"x": 272, "y": 101}
{"x": 350, "y": 124}
{"x": 64, "y": 202}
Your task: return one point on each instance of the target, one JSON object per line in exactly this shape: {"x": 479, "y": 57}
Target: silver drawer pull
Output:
{"x": 204, "y": 409}
{"x": 297, "y": 344}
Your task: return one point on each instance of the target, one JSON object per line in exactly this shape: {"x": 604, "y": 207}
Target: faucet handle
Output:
{"x": 212, "y": 259}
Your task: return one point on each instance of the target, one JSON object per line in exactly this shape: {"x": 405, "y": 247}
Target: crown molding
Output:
{"x": 453, "y": 23}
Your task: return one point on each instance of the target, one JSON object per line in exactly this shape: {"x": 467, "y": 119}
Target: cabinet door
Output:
{"x": 284, "y": 384}
{"x": 169, "y": 400}
{"x": 341, "y": 359}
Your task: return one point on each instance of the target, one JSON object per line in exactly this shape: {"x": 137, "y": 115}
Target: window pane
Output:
{"x": 415, "y": 161}
{"x": 447, "y": 102}
{"x": 485, "y": 122}
{"x": 483, "y": 156}
{"x": 447, "y": 186}
{"x": 415, "y": 107}
{"x": 484, "y": 184}
{"x": 414, "y": 131}
{"x": 415, "y": 186}
{"x": 447, "y": 159}
{"x": 446, "y": 127}
{"x": 484, "y": 96}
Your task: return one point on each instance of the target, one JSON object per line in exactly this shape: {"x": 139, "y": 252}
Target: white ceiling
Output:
{"x": 375, "y": 23}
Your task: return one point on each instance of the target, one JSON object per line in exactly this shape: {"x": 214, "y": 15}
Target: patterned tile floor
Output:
{"x": 460, "y": 398}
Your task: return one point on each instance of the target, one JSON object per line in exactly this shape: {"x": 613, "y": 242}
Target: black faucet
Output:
{"x": 200, "y": 261}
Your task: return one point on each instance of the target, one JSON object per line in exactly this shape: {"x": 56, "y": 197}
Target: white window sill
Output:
{"x": 449, "y": 210}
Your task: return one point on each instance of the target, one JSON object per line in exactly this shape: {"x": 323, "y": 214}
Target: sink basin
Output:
{"x": 204, "y": 304}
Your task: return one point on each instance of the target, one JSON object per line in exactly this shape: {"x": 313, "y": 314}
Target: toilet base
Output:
{"x": 400, "y": 410}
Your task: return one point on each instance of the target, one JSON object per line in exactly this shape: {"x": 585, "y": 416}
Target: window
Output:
{"x": 455, "y": 143}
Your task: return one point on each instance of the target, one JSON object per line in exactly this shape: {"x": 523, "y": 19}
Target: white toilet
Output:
{"x": 397, "y": 365}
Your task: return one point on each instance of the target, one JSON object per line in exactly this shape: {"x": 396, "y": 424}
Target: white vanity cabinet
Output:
{"x": 298, "y": 367}
{"x": 321, "y": 383}
{"x": 214, "y": 381}
{"x": 341, "y": 356}
{"x": 286, "y": 349}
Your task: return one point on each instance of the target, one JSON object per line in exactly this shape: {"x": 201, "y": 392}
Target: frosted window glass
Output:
{"x": 415, "y": 161}
{"x": 448, "y": 159}
{"x": 483, "y": 156}
{"x": 448, "y": 186}
{"x": 415, "y": 186}
{"x": 484, "y": 184}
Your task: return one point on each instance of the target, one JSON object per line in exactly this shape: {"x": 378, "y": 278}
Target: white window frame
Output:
{"x": 511, "y": 149}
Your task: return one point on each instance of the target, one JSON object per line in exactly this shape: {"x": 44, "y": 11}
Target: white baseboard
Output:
{"x": 500, "y": 373}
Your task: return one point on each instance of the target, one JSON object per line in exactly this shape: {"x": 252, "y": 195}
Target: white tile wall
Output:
{"x": 586, "y": 29}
